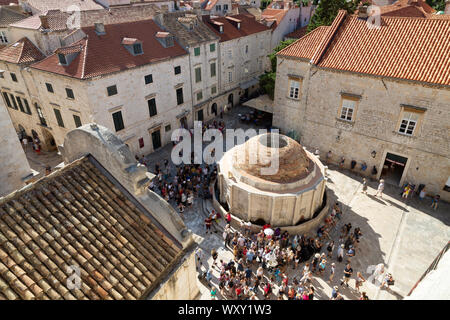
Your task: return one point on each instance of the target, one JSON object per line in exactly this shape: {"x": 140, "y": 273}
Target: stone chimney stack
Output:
{"x": 44, "y": 22}
{"x": 99, "y": 28}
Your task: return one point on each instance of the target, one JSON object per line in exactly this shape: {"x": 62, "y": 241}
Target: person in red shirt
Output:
{"x": 228, "y": 218}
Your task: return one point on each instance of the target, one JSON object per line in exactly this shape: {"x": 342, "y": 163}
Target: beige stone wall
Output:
{"x": 182, "y": 283}
{"x": 315, "y": 117}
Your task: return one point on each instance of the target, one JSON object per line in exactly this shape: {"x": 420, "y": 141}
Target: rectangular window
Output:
{"x": 294, "y": 89}
{"x": 7, "y": 101}
{"x": 167, "y": 128}
{"x": 177, "y": 70}
{"x": 112, "y": 90}
{"x": 49, "y": 87}
{"x": 3, "y": 38}
{"x": 230, "y": 76}
{"x": 40, "y": 114}
{"x": 180, "y": 96}
{"x": 137, "y": 48}
{"x": 69, "y": 93}
{"x": 197, "y": 51}
{"x": 13, "y": 77}
{"x": 213, "y": 69}
{"x": 148, "y": 79}
{"x": 218, "y": 7}
{"x": 27, "y": 106}
{"x": 225, "y": 7}
{"x": 77, "y": 121}
{"x": 198, "y": 74}
{"x": 230, "y": 54}
{"x": 19, "y": 102}
{"x": 152, "y": 107}
{"x": 199, "y": 96}
{"x": 59, "y": 118}
{"x": 348, "y": 109}
{"x": 141, "y": 143}
{"x": 246, "y": 48}
{"x": 14, "y": 101}
{"x": 213, "y": 90}
{"x": 62, "y": 59}
{"x": 118, "y": 121}
{"x": 408, "y": 123}
{"x": 212, "y": 47}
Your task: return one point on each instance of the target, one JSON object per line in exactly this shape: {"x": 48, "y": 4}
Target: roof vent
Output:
{"x": 99, "y": 28}
{"x": 44, "y": 22}
{"x": 165, "y": 38}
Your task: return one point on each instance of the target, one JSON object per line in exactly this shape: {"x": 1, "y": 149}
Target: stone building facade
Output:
{"x": 396, "y": 123}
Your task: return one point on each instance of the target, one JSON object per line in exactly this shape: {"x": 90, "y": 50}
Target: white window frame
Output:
{"x": 408, "y": 123}
{"x": 294, "y": 89}
{"x": 3, "y": 37}
{"x": 230, "y": 76}
{"x": 348, "y": 108}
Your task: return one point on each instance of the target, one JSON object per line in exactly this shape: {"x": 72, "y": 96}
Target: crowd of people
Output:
{"x": 262, "y": 261}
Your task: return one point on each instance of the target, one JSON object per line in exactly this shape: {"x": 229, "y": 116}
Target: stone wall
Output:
{"x": 374, "y": 127}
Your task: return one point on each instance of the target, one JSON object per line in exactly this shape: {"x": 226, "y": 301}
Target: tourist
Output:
{"x": 380, "y": 189}
{"x": 213, "y": 293}
{"x": 363, "y": 296}
{"x": 330, "y": 248}
{"x": 340, "y": 253}
{"x": 364, "y": 186}
{"x": 348, "y": 271}
{"x": 406, "y": 191}
{"x": 359, "y": 280}
{"x": 332, "y": 272}
{"x": 435, "y": 201}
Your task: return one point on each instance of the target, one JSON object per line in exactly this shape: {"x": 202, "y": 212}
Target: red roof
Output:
{"x": 105, "y": 53}
{"x": 276, "y": 15}
{"x": 297, "y": 33}
{"x": 8, "y": 2}
{"x": 22, "y": 51}
{"x": 405, "y": 48}
{"x": 248, "y": 26}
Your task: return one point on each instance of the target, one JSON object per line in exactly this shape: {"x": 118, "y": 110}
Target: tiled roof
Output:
{"x": 79, "y": 216}
{"x": 175, "y": 23}
{"x": 406, "y": 48}
{"x": 22, "y": 51}
{"x": 407, "y": 8}
{"x": 57, "y": 21}
{"x": 63, "y": 5}
{"x": 297, "y": 33}
{"x": 276, "y": 15}
{"x": 96, "y": 59}
{"x": 305, "y": 46}
{"x": 8, "y": 2}
{"x": 8, "y": 16}
{"x": 248, "y": 26}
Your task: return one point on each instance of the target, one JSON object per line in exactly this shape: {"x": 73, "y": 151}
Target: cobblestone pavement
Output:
{"x": 405, "y": 235}
{"x": 39, "y": 162}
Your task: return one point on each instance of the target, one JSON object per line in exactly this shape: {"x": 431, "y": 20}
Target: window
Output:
{"x": 49, "y": 87}
{"x": 167, "y": 128}
{"x": 7, "y": 101}
{"x": 1, "y": 75}
{"x": 408, "y": 123}
{"x": 179, "y": 96}
{"x": 218, "y": 7}
{"x": 198, "y": 74}
{"x": 177, "y": 70}
{"x": 137, "y": 48}
{"x": 212, "y": 47}
{"x": 230, "y": 76}
{"x": 112, "y": 90}
{"x": 69, "y": 93}
{"x": 213, "y": 90}
{"x": 230, "y": 54}
{"x": 27, "y": 106}
{"x": 197, "y": 51}
{"x": 294, "y": 88}
{"x": 199, "y": 96}
{"x": 62, "y": 59}
{"x": 3, "y": 38}
{"x": 77, "y": 121}
{"x": 20, "y": 104}
{"x": 148, "y": 79}
{"x": 225, "y": 7}
{"x": 59, "y": 118}
{"x": 152, "y": 107}
{"x": 246, "y": 48}
{"x": 13, "y": 101}
{"x": 40, "y": 114}
{"x": 118, "y": 121}
{"x": 348, "y": 109}
{"x": 13, "y": 77}
{"x": 141, "y": 142}
{"x": 213, "y": 69}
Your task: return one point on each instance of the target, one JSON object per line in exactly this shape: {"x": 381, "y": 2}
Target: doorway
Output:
{"x": 230, "y": 100}
{"x": 393, "y": 168}
{"x": 200, "y": 115}
{"x": 214, "y": 109}
{"x": 156, "y": 139}
{"x": 183, "y": 123}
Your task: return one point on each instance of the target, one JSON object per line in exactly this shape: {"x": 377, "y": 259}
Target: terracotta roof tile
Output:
{"x": 248, "y": 26}
{"x": 8, "y": 16}
{"x": 276, "y": 15}
{"x": 113, "y": 264}
{"x": 305, "y": 46}
{"x": 63, "y": 5}
{"x": 94, "y": 58}
{"x": 297, "y": 33}
{"x": 22, "y": 51}
{"x": 406, "y": 48}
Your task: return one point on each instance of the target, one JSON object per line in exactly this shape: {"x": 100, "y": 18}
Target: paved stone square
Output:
{"x": 405, "y": 235}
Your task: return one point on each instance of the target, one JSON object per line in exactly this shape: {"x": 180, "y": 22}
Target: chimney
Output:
{"x": 362, "y": 12}
{"x": 99, "y": 28}
{"x": 44, "y": 22}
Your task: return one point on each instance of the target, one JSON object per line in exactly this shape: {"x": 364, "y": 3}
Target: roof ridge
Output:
{"x": 305, "y": 36}
{"x": 342, "y": 14}
{"x": 83, "y": 67}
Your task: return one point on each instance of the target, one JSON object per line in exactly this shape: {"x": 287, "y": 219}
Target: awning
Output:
{"x": 262, "y": 103}
{"x": 250, "y": 83}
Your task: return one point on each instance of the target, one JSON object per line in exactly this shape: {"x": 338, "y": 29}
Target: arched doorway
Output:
{"x": 49, "y": 141}
{"x": 214, "y": 109}
{"x": 230, "y": 100}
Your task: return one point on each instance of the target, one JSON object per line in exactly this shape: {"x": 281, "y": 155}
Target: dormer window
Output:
{"x": 62, "y": 59}
{"x": 165, "y": 38}
{"x": 134, "y": 46}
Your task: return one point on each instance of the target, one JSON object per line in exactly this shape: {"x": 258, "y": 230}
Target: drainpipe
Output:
{"x": 192, "y": 90}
